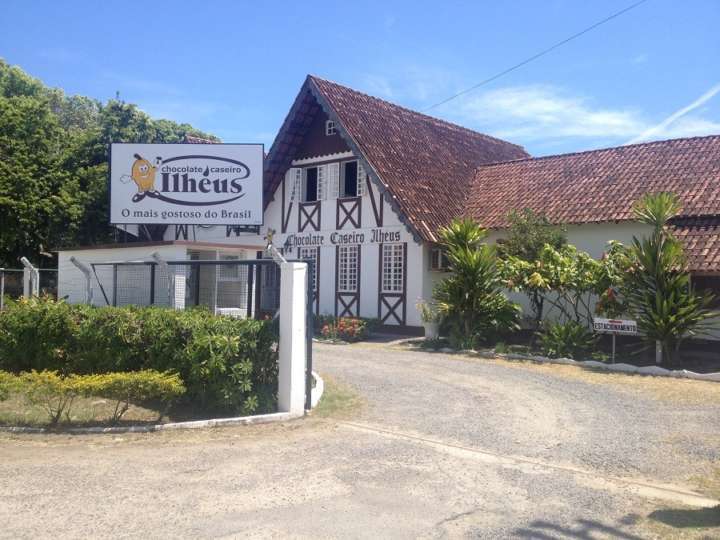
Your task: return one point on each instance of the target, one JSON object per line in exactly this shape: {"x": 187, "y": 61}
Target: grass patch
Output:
{"x": 85, "y": 412}
{"x": 339, "y": 400}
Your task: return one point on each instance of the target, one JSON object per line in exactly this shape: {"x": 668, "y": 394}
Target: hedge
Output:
{"x": 55, "y": 393}
{"x": 226, "y": 364}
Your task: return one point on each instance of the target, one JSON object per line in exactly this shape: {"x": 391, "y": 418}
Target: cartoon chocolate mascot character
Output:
{"x": 143, "y": 174}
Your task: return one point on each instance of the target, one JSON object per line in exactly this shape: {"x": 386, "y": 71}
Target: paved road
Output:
{"x": 444, "y": 446}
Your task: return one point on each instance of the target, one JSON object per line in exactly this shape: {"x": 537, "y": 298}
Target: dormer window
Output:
{"x": 330, "y": 128}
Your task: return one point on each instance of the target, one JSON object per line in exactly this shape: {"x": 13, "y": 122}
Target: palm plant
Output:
{"x": 657, "y": 287}
{"x": 471, "y": 299}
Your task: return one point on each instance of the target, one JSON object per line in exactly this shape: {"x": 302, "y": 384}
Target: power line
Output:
{"x": 538, "y": 55}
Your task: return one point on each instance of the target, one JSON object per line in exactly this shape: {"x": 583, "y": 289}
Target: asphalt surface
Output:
{"x": 444, "y": 446}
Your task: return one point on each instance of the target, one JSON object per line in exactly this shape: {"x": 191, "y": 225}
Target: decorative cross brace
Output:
{"x": 349, "y": 307}
{"x": 309, "y": 216}
{"x": 348, "y": 210}
{"x": 392, "y": 307}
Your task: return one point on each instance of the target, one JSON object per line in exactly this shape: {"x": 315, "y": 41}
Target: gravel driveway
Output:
{"x": 444, "y": 446}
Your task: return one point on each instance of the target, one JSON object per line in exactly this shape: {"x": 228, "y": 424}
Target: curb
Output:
{"x": 655, "y": 371}
{"x": 317, "y": 391}
{"x": 193, "y": 424}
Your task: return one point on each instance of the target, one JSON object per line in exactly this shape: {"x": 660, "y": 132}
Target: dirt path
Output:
{"x": 442, "y": 446}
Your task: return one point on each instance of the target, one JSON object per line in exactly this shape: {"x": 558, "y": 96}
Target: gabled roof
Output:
{"x": 422, "y": 164}
{"x": 600, "y": 185}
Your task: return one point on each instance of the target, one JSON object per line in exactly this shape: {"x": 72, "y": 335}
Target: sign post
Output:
{"x": 614, "y": 327}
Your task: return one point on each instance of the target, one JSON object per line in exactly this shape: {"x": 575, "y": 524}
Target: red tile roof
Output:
{"x": 425, "y": 163}
{"x": 700, "y": 237}
{"x": 600, "y": 185}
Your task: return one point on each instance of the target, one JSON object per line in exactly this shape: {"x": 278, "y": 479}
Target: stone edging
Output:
{"x": 317, "y": 393}
{"x": 655, "y": 371}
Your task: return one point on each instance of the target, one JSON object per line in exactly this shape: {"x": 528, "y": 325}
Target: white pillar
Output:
{"x": 31, "y": 279}
{"x": 291, "y": 376}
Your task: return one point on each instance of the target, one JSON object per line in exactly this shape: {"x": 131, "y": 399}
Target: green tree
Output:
{"x": 529, "y": 232}
{"x": 471, "y": 298}
{"x": 54, "y": 160}
{"x": 657, "y": 286}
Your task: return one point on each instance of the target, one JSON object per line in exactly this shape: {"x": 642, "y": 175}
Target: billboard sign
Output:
{"x": 186, "y": 184}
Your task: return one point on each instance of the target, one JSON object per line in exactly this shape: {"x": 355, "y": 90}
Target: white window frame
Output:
{"x": 311, "y": 254}
{"x": 321, "y": 183}
{"x": 359, "y": 181}
{"x": 393, "y": 268}
{"x": 330, "y": 128}
{"x": 348, "y": 268}
{"x": 438, "y": 260}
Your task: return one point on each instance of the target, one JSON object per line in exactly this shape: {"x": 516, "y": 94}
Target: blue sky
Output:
{"x": 233, "y": 68}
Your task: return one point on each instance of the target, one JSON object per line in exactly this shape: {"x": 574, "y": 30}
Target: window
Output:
{"x": 348, "y": 268}
{"x": 311, "y": 184}
{"x": 349, "y": 179}
{"x": 392, "y": 267}
{"x": 353, "y": 179}
{"x": 330, "y": 128}
{"x": 311, "y": 254}
{"x": 438, "y": 259}
{"x": 314, "y": 184}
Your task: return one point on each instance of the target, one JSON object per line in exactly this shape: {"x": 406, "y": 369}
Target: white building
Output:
{"x": 361, "y": 186}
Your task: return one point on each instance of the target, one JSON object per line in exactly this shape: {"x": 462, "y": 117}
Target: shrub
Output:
{"x": 133, "y": 387}
{"x": 50, "y": 391}
{"x": 567, "y": 340}
{"x": 343, "y": 328}
{"x": 657, "y": 287}
{"x": 55, "y": 393}
{"x": 7, "y": 384}
{"x": 226, "y": 364}
{"x": 527, "y": 235}
{"x": 471, "y": 299}
{"x": 429, "y": 312}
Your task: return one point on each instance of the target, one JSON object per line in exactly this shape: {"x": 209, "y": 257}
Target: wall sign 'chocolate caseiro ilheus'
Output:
{"x": 197, "y": 184}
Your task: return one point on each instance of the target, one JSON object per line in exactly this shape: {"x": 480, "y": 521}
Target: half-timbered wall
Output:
{"x": 335, "y": 222}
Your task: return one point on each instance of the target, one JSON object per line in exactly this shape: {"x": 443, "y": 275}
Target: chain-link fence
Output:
{"x": 12, "y": 286}
{"x": 240, "y": 288}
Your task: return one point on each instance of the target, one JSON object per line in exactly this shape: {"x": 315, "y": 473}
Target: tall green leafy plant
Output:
{"x": 471, "y": 299}
{"x": 657, "y": 286}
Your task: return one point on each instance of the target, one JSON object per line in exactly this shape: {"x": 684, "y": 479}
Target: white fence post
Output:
{"x": 88, "y": 284}
{"x": 31, "y": 279}
{"x": 291, "y": 376}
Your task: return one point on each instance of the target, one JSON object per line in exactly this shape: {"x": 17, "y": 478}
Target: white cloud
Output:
{"x": 538, "y": 111}
{"x": 547, "y": 114}
{"x": 671, "y": 121}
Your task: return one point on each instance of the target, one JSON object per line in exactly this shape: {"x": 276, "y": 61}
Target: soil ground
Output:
{"x": 406, "y": 444}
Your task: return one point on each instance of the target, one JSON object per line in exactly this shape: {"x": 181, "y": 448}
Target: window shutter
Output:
{"x": 333, "y": 170}
{"x": 361, "y": 180}
{"x": 295, "y": 176}
{"x": 321, "y": 183}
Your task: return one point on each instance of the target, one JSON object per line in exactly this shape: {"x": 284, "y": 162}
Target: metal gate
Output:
{"x": 239, "y": 288}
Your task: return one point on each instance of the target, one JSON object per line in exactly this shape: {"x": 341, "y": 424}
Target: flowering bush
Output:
{"x": 343, "y": 328}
